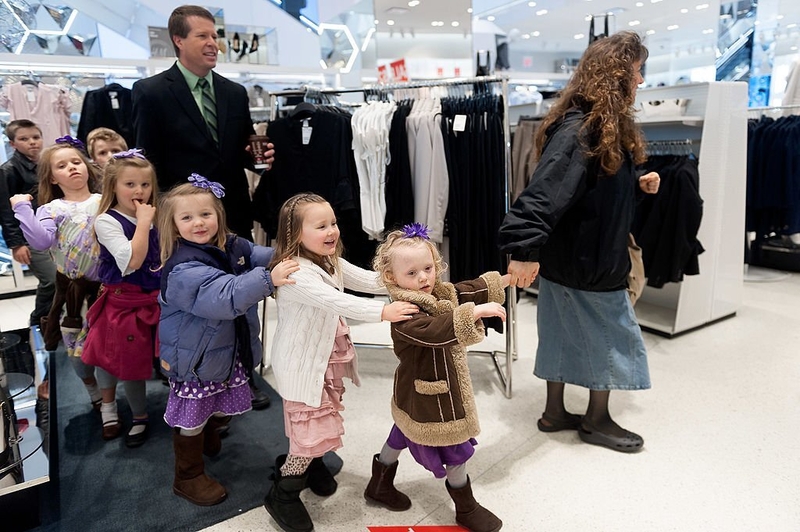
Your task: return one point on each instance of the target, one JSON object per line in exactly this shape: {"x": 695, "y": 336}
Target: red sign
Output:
{"x": 399, "y": 72}
{"x": 527, "y": 61}
{"x": 383, "y": 75}
{"x": 417, "y": 528}
{"x": 458, "y": 72}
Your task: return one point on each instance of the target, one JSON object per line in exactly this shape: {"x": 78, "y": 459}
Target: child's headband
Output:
{"x": 415, "y": 230}
{"x": 130, "y": 154}
{"x": 71, "y": 141}
{"x": 201, "y": 182}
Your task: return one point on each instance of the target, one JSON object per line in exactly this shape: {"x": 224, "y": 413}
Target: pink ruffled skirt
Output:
{"x": 313, "y": 431}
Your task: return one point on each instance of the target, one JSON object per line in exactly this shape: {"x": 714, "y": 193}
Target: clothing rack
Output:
{"x": 669, "y": 147}
{"x": 480, "y": 81}
{"x": 760, "y": 111}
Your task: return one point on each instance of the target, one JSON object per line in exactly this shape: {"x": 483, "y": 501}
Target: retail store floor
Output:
{"x": 721, "y": 427}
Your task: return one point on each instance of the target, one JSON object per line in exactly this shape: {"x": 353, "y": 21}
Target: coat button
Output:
{"x": 117, "y": 291}
{"x": 130, "y": 338}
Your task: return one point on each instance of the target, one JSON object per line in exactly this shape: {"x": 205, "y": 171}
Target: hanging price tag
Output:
{"x": 306, "y": 132}
{"x": 460, "y": 123}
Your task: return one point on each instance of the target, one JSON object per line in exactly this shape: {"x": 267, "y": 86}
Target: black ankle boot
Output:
{"x": 283, "y": 502}
{"x": 320, "y": 479}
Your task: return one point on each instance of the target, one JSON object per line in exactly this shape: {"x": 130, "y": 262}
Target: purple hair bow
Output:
{"x": 201, "y": 182}
{"x": 130, "y": 154}
{"x": 415, "y": 230}
{"x": 72, "y": 141}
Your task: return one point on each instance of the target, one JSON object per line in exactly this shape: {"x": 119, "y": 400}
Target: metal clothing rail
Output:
{"x": 761, "y": 111}
{"x": 774, "y": 107}
{"x": 440, "y": 83}
{"x": 511, "y": 296}
{"x": 682, "y": 142}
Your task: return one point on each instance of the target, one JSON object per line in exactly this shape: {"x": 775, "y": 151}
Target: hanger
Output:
{"x": 29, "y": 82}
{"x": 303, "y": 110}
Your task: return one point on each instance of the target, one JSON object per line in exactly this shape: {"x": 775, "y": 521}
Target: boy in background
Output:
{"x": 102, "y": 143}
{"x": 18, "y": 176}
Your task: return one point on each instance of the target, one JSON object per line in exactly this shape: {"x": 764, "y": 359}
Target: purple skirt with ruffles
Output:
{"x": 190, "y": 404}
{"x": 433, "y": 458}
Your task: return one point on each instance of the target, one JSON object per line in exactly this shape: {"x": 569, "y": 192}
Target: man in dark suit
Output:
{"x": 189, "y": 119}
{"x": 183, "y": 131}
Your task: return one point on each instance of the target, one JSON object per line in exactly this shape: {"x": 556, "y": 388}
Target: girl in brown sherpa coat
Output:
{"x": 433, "y": 405}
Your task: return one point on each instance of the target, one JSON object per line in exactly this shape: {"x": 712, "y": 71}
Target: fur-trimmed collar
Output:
{"x": 443, "y": 300}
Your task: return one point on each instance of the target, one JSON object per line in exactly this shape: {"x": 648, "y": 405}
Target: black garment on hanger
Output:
{"x": 476, "y": 204}
{"x": 476, "y": 166}
{"x": 483, "y": 66}
{"x": 324, "y": 166}
{"x": 666, "y": 224}
{"x": 772, "y": 208}
{"x": 399, "y": 190}
{"x": 99, "y": 111}
{"x": 592, "y": 36}
{"x": 773, "y": 180}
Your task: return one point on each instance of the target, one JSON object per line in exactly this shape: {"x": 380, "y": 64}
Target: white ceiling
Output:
{"x": 567, "y": 18}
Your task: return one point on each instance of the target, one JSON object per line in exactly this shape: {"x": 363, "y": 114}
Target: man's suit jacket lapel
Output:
{"x": 183, "y": 94}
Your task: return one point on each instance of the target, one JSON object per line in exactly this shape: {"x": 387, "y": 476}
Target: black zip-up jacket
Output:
{"x": 17, "y": 176}
{"x": 571, "y": 220}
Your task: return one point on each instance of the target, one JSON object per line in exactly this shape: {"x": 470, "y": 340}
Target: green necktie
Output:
{"x": 209, "y": 108}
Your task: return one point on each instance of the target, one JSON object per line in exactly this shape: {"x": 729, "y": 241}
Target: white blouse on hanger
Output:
{"x": 48, "y": 106}
{"x": 371, "y": 124}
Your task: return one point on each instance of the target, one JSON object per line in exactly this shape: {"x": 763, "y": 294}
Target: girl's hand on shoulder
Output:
{"x": 649, "y": 183}
{"x": 281, "y": 272}
{"x": 489, "y": 310}
{"x": 145, "y": 212}
{"x": 19, "y": 198}
{"x": 399, "y": 311}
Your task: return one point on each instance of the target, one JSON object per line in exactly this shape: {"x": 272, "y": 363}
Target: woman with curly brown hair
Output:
{"x": 573, "y": 221}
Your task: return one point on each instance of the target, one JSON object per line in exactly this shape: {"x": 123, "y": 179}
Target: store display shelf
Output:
{"x": 655, "y": 318}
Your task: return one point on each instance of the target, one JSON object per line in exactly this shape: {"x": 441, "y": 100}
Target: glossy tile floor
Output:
{"x": 721, "y": 427}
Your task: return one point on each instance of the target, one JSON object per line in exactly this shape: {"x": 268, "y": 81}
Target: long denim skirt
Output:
{"x": 589, "y": 339}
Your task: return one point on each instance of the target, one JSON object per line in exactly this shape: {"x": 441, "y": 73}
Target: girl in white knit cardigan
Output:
{"x": 312, "y": 351}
